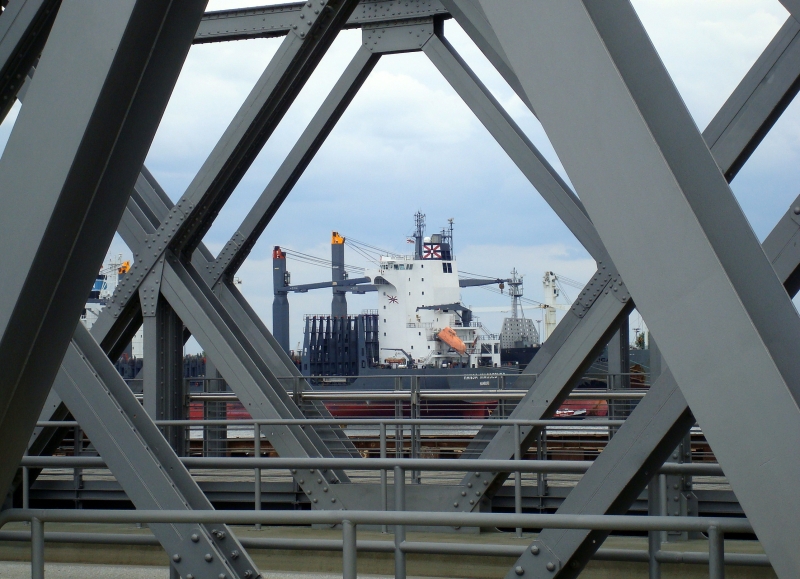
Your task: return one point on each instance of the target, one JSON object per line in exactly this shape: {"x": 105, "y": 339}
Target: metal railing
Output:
{"x": 399, "y": 519}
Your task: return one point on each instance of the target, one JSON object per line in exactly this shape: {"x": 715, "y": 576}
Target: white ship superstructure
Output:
{"x": 421, "y": 320}
{"x": 104, "y": 285}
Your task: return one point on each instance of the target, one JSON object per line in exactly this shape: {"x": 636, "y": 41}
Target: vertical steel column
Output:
{"x": 349, "y": 552}
{"x": 384, "y": 490}
{"x": 541, "y": 454}
{"x": 215, "y": 438}
{"x": 716, "y": 553}
{"x": 399, "y": 530}
{"x": 517, "y": 478}
{"x": 663, "y": 500}
{"x": 654, "y": 538}
{"x": 37, "y": 549}
{"x": 398, "y": 414}
{"x": 257, "y": 454}
{"x": 415, "y": 428}
{"x": 619, "y": 367}
{"x": 163, "y": 385}
{"x": 26, "y": 488}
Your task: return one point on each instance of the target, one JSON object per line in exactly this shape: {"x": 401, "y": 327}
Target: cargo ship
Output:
{"x": 419, "y": 328}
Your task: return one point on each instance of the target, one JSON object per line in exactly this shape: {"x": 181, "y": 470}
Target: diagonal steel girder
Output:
{"x": 227, "y": 344}
{"x": 24, "y": 26}
{"x": 733, "y": 134}
{"x": 117, "y": 66}
{"x": 143, "y": 462}
{"x": 266, "y": 206}
{"x": 182, "y": 230}
{"x": 721, "y": 298}
{"x": 140, "y": 226}
{"x": 620, "y": 474}
{"x": 653, "y": 430}
{"x": 511, "y": 138}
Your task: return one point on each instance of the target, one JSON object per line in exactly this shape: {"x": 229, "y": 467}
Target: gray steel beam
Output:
{"x": 163, "y": 385}
{"x": 522, "y": 151}
{"x": 470, "y": 16}
{"x": 143, "y": 462}
{"x": 588, "y": 326}
{"x": 613, "y": 482}
{"x": 628, "y": 462}
{"x": 115, "y": 68}
{"x": 274, "y": 21}
{"x": 24, "y": 26}
{"x": 782, "y": 246}
{"x": 264, "y": 347}
{"x": 749, "y": 112}
{"x": 621, "y": 472}
{"x": 726, "y": 290}
{"x": 149, "y": 204}
{"x": 793, "y": 6}
{"x": 255, "y": 384}
{"x": 238, "y": 248}
{"x": 182, "y": 230}
{"x": 576, "y": 342}
{"x": 758, "y": 101}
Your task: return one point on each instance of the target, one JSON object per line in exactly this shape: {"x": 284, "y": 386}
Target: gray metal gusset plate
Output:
{"x": 271, "y": 21}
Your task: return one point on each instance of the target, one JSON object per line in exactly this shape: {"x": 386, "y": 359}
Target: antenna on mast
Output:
{"x": 419, "y": 233}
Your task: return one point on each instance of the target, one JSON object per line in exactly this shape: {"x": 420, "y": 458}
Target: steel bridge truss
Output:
{"x": 583, "y": 67}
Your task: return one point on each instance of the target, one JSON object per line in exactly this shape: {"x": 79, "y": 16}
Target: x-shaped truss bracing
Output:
{"x": 654, "y": 168}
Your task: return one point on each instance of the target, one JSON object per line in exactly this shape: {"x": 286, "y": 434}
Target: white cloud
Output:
{"x": 408, "y": 142}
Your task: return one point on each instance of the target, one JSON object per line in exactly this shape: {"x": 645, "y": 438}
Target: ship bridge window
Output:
{"x": 447, "y": 267}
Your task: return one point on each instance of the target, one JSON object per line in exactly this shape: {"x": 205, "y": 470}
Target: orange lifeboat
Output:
{"x": 449, "y": 337}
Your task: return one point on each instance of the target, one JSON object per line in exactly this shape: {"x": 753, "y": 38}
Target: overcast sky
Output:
{"x": 409, "y": 143}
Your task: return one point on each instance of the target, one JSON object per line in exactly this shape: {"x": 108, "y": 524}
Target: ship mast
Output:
{"x": 515, "y": 291}
{"x": 551, "y": 291}
{"x": 419, "y": 233}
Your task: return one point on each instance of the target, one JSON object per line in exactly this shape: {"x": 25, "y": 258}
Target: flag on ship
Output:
{"x": 432, "y": 251}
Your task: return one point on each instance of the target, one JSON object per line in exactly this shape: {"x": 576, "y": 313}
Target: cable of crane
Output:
{"x": 476, "y": 274}
{"x": 572, "y": 282}
{"x": 563, "y": 291}
{"x": 522, "y": 299}
{"x": 370, "y": 248}
{"x": 364, "y": 254}
{"x": 318, "y": 261}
